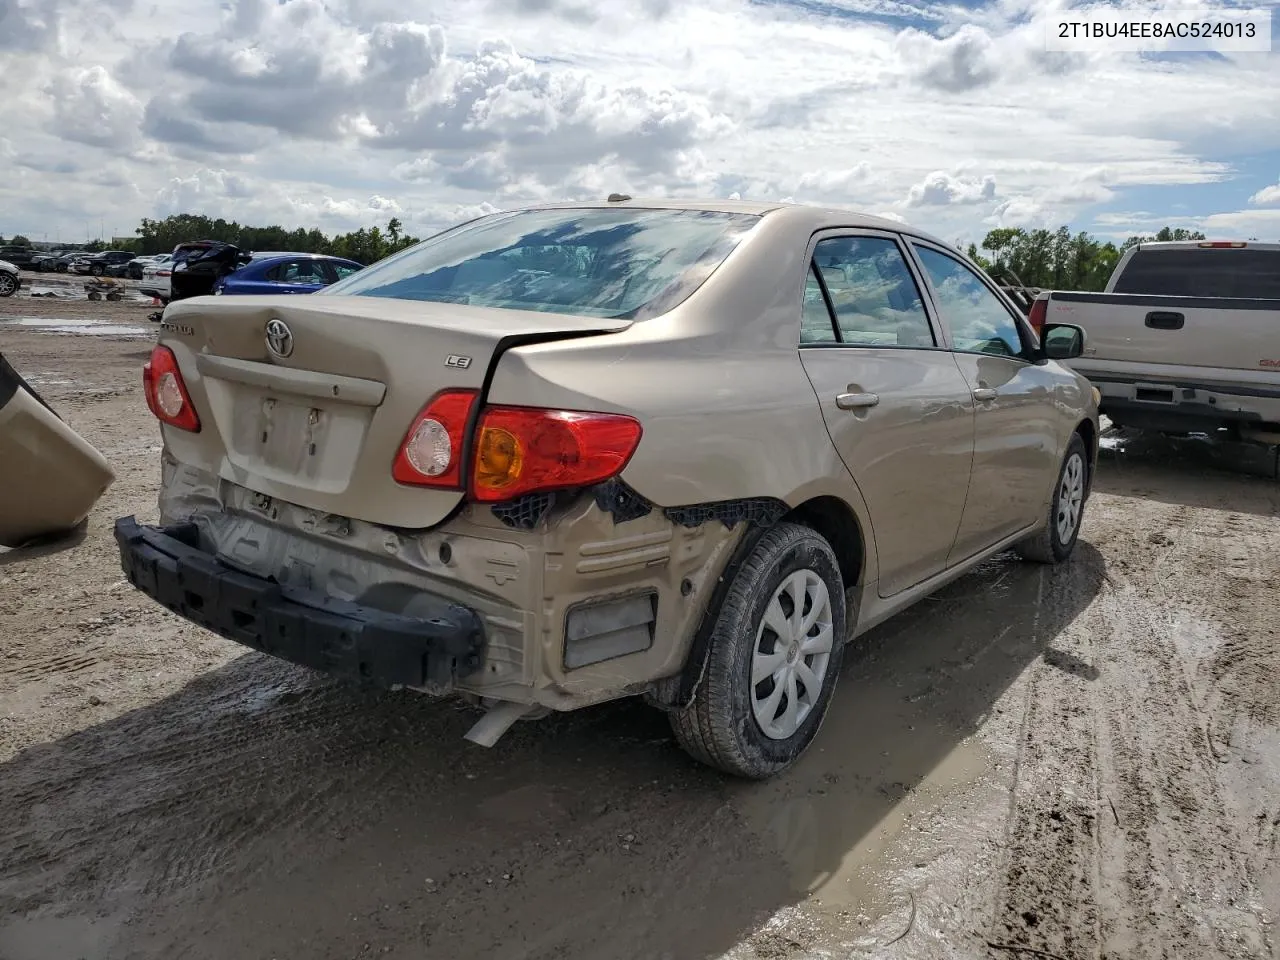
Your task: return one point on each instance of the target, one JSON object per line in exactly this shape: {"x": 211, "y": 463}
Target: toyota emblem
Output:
{"x": 279, "y": 338}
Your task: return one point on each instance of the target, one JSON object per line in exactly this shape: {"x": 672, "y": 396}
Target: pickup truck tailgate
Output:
{"x": 1186, "y": 331}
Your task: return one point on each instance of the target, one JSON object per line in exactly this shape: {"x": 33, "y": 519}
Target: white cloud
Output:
{"x": 940, "y": 189}
{"x": 1242, "y": 224}
{"x": 342, "y": 113}
{"x": 90, "y": 106}
{"x": 1267, "y": 195}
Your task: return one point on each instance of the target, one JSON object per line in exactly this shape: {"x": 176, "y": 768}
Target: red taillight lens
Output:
{"x": 166, "y": 393}
{"x": 431, "y": 454}
{"x": 1039, "y": 310}
{"x": 521, "y": 450}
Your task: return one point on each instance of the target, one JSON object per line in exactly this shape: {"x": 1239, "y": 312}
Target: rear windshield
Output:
{"x": 589, "y": 262}
{"x": 1222, "y": 272}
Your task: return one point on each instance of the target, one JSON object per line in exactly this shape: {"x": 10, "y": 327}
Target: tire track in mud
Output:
{"x": 167, "y": 798}
{"x": 1174, "y": 879}
{"x": 1048, "y": 899}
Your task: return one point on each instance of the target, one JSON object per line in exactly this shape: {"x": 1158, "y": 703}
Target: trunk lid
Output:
{"x": 319, "y": 423}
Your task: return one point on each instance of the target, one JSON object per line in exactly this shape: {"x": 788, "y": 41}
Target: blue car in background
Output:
{"x": 273, "y": 273}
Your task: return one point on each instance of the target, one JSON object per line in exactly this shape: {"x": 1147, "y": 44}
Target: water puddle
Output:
{"x": 839, "y": 818}
{"x": 57, "y": 293}
{"x": 80, "y": 326}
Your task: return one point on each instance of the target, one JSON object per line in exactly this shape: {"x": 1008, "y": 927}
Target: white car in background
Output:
{"x": 134, "y": 268}
{"x": 155, "y": 276}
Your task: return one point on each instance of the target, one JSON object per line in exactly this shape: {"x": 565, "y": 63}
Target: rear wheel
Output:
{"x": 1057, "y": 538}
{"x": 773, "y": 659}
{"x": 97, "y": 269}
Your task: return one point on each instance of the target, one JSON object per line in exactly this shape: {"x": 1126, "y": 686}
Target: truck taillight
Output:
{"x": 1224, "y": 244}
{"x": 431, "y": 454}
{"x": 521, "y": 450}
{"x": 1039, "y": 310}
{"x": 166, "y": 392}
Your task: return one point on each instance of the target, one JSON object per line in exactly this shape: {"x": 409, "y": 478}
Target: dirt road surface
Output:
{"x": 1081, "y": 761}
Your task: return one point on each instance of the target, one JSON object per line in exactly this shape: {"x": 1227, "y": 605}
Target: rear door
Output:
{"x": 896, "y": 405}
{"x": 1016, "y": 455}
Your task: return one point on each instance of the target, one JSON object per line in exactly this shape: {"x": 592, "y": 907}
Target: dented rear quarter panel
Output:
{"x": 727, "y": 410}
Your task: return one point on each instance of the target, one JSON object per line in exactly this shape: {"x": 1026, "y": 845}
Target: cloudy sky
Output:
{"x": 343, "y": 113}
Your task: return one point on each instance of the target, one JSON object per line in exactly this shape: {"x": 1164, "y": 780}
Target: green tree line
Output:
{"x": 1049, "y": 259}
{"x": 1057, "y": 259}
{"x": 364, "y": 245}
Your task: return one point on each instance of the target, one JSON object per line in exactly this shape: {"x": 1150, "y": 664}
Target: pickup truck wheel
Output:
{"x": 773, "y": 659}
{"x": 1057, "y": 539}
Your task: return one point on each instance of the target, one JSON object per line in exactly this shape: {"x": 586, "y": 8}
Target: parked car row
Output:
{"x": 219, "y": 269}
{"x": 107, "y": 263}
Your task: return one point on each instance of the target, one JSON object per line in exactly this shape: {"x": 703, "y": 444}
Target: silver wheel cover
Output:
{"x": 791, "y": 653}
{"x": 1070, "y": 499}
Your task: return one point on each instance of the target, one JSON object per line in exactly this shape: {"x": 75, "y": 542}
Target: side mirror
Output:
{"x": 1061, "y": 341}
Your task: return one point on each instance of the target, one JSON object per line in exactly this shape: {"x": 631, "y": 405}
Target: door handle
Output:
{"x": 984, "y": 393}
{"x": 1162, "y": 320}
{"x": 856, "y": 401}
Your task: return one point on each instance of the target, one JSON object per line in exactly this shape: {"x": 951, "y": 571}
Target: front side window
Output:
{"x": 871, "y": 291}
{"x": 978, "y": 319}
{"x": 597, "y": 262}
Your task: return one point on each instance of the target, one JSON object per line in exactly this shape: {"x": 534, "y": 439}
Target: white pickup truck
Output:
{"x": 1185, "y": 339}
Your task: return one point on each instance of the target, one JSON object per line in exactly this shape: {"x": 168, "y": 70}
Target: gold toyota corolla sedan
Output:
{"x": 566, "y": 454}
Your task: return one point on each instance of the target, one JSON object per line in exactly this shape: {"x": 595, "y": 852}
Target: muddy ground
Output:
{"x": 1083, "y": 762}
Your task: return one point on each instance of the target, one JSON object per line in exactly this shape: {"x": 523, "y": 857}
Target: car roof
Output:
{"x": 817, "y": 217}
{"x": 264, "y": 254}
{"x": 260, "y": 258}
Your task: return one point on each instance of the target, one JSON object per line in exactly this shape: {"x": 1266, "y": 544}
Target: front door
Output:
{"x": 1015, "y": 456}
{"x": 897, "y": 407}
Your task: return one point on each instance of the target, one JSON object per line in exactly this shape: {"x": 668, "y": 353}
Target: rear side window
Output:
{"x": 1222, "y": 272}
{"x": 587, "y": 261}
{"x": 874, "y": 298}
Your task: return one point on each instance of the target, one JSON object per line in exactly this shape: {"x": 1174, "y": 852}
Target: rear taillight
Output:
{"x": 1039, "y": 310}
{"x": 166, "y": 393}
{"x": 521, "y": 450}
{"x": 431, "y": 454}
{"x": 1224, "y": 244}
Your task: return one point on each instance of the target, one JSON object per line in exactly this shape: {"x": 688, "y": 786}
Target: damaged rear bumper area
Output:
{"x": 334, "y": 636}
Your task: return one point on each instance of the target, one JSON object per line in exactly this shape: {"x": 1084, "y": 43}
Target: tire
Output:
{"x": 97, "y": 270}
{"x": 1057, "y": 538}
{"x": 8, "y": 285}
{"x": 721, "y": 727}
{"x": 63, "y": 268}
